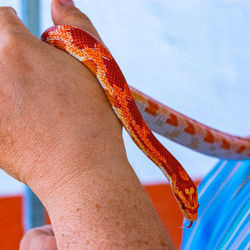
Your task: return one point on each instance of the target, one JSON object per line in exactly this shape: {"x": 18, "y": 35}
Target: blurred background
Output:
{"x": 193, "y": 56}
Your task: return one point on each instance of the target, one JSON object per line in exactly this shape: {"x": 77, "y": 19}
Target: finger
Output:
{"x": 65, "y": 12}
{"x": 41, "y": 238}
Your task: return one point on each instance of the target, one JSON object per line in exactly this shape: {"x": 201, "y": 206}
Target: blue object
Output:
{"x": 31, "y": 15}
{"x": 34, "y": 212}
{"x": 223, "y": 217}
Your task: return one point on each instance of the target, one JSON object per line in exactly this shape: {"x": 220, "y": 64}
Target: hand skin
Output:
{"x": 60, "y": 136}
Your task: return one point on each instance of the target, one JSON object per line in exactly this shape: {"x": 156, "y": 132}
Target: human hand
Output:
{"x": 54, "y": 115}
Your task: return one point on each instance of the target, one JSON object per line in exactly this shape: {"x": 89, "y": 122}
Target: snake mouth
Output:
{"x": 189, "y": 216}
{"x": 189, "y": 211}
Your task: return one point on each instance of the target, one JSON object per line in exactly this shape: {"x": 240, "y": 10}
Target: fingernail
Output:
{"x": 66, "y": 2}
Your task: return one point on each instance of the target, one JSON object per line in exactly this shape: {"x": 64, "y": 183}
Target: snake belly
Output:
{"x": 93, "y": 54}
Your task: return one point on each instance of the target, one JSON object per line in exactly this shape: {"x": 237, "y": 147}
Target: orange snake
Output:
{"x": 139, "y": 113}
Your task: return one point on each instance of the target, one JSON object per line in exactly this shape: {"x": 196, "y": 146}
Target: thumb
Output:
{"x": 65, "y": 12}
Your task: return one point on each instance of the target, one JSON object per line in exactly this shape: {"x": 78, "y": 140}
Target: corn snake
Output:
{"x": 139, "y": 113}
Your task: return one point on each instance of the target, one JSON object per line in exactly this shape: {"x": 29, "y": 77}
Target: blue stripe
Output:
{"x": 231, "y": 228}
{"x": 245, "y": 244}
{"x": 224, "y": 204}
{"x": 234, "y": 211}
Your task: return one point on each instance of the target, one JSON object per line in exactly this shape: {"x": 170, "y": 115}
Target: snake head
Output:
{"x": 186, "y": 195}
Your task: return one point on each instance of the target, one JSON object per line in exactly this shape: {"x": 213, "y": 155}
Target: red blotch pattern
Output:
{"x": 190, "y": 129}
{"x": 81, "y": 40}
{"x": 114, "y": 74}
{"x": 134, "y": 112}
{"x": 209, "y": 137}
{"x": 241, "y": 149}
{"x": 172, "y": 120}
{"x": 172, "y": 164}
{"x": 225, "y": 144}
{"x": 152, "y": 108}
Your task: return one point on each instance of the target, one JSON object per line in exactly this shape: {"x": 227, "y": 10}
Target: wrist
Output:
{"x": 104, "y": 207}
{"x": 78, "y": 205}
{"x": 65, "y": 170}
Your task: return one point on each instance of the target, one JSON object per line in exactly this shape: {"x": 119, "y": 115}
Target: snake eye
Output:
{"x": 183, "y": 206}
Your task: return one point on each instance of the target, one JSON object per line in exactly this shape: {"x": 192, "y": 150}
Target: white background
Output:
{"x": 194, "y": 56}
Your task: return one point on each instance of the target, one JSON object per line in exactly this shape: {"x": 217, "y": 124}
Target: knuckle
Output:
{"x": 7, "y": 32}
{"x": 9, "y": 23}
{"x": 7, "y": 16}
{"x": 7, "y": 9}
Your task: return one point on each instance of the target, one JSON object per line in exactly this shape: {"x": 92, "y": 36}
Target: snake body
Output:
{"x": 127, "y": 103}
{"x": 190, "y": 133}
